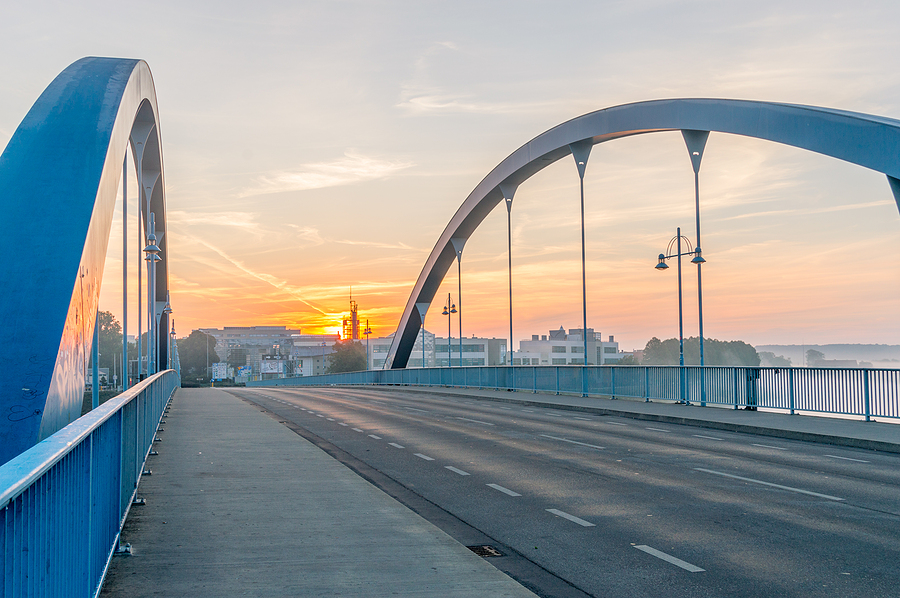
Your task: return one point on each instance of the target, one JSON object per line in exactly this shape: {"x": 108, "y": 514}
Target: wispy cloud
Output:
{"x": 351, "y": 168}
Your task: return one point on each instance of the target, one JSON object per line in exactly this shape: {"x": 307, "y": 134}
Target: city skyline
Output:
{"x": 309, "y": 150}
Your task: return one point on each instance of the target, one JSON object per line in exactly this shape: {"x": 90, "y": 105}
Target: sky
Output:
{"x": 311, "y": 147}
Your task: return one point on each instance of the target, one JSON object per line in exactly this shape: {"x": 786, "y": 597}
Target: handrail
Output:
{"x": 63, "y": 502}
{"x": 862, "y": 392}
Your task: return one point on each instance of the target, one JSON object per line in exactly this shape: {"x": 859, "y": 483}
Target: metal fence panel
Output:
{"x": 63, "y": 502}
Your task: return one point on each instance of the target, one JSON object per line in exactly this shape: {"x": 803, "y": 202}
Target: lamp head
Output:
{"x": 698, "y": 258}
{"x": 662, "y": 265}
{"x": 445, "y": 312}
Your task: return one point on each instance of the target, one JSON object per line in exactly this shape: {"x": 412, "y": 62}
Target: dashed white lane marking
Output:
{"x": 454, "y": 470}
{"x": 466, "y": 419}
{"x": 507, "y": 408}
{"x": 571, "y": 518}
{"x": 528, "y": 410}
{"x": 770, "y": 484}
{"x": 421, "y": 456}
{"x": 847, "y": 459}
{"x": 707, "y": 437}
{"x": 395, "y": 445}
{"x": 503, "y": 490}
{"x": 553, "y": 414}
{"x": 356, "y": 429}
{"x": 574, "y": 442}
{"x": 375, "y": 437}
{"x": 658, "y": 430}
{"x": 777, "y": 448}
{"x": 616, "y": 424}
{"x": 319, "y": 415}
{"x": 341, "y": 424}
{"x": 670, "y": 559}
{"x": 414, "y": 409}
{"x": 331, "y": 419}
{"x": 584, "y": 419}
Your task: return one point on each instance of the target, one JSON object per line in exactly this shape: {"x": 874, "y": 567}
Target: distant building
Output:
{"x": 561, "y": 348}
{"x": 272, "y": 351}
{"x": 475, "y": 351}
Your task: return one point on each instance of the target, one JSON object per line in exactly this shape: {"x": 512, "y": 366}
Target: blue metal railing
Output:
{"x": 63, "y": 502}
{"x": 859, "y": 392}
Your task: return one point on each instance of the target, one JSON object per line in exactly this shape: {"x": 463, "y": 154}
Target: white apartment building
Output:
{"x": 475, "y": 351}
{"x": 561, "y": 348}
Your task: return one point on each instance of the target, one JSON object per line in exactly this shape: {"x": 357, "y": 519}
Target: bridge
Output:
{"x": 375, "y": 482}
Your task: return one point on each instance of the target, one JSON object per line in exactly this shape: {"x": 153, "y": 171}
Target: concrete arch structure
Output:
{"x": 59, "y": 177}
{"x": 863, "y": 139}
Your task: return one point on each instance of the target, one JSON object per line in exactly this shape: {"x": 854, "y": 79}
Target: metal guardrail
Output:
{"x": 63, "y": 502}
{"x": 862, "y": 392}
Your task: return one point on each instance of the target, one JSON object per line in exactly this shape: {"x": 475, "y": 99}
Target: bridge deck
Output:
{"x": 239, "y": 505}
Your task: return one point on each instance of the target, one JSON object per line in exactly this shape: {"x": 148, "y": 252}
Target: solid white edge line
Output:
{"x": 571, "y": 518}
{"x": 503, "y": 490}
{"x": 454, "y": 470}
{"x": 395, "y": 445}
{"x": 421, "y": 456}
{"x": 670, "y": 559}
{"x": 594, "y": 446}
{"x": 770, "y": 484}
{"x": 847, "y": 459}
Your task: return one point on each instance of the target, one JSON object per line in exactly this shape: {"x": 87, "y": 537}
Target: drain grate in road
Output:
{"x": 485, "y": 550}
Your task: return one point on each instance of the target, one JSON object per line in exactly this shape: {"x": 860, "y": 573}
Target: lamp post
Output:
{"x": 447, "y": 311}
{"x": 675, "y": 244}
{"x": 167, "y": 310}
{"x": 367, "y": 331}
{"x": 152, "y": 251}
{"x": 172, "y": 343}
{"x": 323, "y": 357}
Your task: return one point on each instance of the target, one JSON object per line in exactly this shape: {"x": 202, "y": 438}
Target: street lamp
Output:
{"x": 152, "y": 251}
{"x": 323, "y": 357}
{"x": 367, "y": 331}
{"x": 447, "y": 311}
{"x": 167, "y": 310}
{"x": 675, "y": 244}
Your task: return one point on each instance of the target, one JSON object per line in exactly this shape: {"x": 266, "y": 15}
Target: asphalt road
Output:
{"x": 605, "y": 506}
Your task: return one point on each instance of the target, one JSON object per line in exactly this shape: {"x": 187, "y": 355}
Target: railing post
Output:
{"x": 612, "y": 373}
{"x": 646, "y": 384}
{"x": 865, "y": 374}
{"x": 557, "y": 380}
{"x": 791, "y": 384}
{"x": 534, "y": 380}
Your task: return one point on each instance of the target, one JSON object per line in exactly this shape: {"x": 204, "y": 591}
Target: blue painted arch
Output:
{"x": 862, "y": 139}
{"x": 59, "y": 179}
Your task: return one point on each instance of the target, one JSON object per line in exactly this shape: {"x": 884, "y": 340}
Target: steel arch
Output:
{"x": 863, "y": 139}
{"x": 59, "y": 176}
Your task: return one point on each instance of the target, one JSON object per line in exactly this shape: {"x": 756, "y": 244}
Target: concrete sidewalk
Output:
{"x": 239, "y": 505}
{"x": 828, "y": 430}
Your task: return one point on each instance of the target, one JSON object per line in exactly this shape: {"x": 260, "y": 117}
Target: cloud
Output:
{"x": 350, "y": 169}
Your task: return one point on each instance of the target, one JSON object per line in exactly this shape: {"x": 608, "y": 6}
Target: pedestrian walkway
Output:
{"x": 239, "y": 505}
{"x": 855, "y": 433}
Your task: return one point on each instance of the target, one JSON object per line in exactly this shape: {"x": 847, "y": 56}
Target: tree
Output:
{"x": 769, "y": 359}
{"x": 347, "y": 356}
{"x": 628, "y": 360}
{"x": 110, "y": 341}
{"x": 813, "y": 357}
{"x": 715, "y": 352}
{"x": 193, "y": 354}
